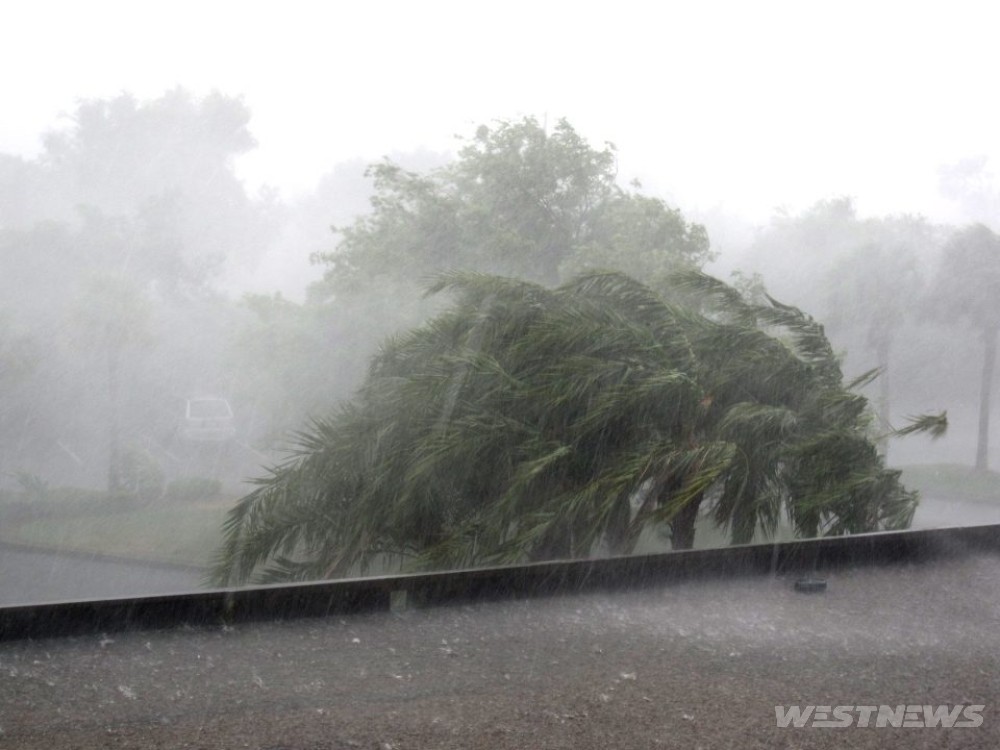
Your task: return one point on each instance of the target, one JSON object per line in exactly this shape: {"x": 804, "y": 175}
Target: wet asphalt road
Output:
{"x": 697, "y": 664}
{"x": 29, "y": 577}
{"x": 936, "y": 514}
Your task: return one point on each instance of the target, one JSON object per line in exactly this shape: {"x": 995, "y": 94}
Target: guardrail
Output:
{"x": 222, "y": 606}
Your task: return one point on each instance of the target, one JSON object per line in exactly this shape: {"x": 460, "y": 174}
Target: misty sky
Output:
{"x": 743, "y": 106}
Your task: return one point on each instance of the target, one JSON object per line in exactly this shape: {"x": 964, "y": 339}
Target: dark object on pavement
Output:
{"x": 810, "y": 585}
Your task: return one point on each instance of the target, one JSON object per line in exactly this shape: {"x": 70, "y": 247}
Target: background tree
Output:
{"x": 121, "y": 152}
{"x": 519, "y": 201}
{"x": 642, "y": 236}
{"x": 862, "y": 276}
{"x": 795, "y": 253}
{"x": 967, "y": 288}
{"x": 19, "y": 357}
{"x": 167, "y": 164}
{"x": 529, "y": 423}
{"x": 113, "y": 317}
{"x": 144, "y": 192}
{"x": 288, "y": 361}
{"x": 874, "y": 290}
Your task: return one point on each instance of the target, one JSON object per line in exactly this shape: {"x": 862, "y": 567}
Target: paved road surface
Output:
{"x": 933, "y": 513}
{"x": 30, "y": 577}
{"x": 692, "y": 665}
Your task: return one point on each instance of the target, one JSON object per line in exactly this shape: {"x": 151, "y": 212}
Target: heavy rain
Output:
{"x": 298, "y": 295}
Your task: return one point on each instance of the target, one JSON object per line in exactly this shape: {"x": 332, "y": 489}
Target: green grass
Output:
{"x": 187, "y": 534}
{"x": 953, "y": 482}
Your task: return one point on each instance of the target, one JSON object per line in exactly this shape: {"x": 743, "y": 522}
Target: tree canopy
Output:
{"x": 165, "y": 167}
{"x": 520, "y": 200}
{"x": 527, "y": 422}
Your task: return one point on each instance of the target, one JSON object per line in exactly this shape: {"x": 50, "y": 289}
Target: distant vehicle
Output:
{"x": 208, "y": 420}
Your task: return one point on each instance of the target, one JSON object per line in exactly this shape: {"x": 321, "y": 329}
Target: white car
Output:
{"x": 208, "y": 419}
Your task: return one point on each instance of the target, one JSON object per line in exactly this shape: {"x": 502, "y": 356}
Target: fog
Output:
{"x": 220, "y": 291}
{"x": 191, "y": 229}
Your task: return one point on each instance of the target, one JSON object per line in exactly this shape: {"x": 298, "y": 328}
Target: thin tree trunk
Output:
{"x": 617, "y": 536}
{"x": 882, "y": 356}
{"x": 556, "y": 544}
{"x": 114, "y": 448}
{"x": 682, "y": 524}
{"x": 985, "y": 391}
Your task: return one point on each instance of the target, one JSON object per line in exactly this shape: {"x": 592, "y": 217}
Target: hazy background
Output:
{"x": 205, "y": 149}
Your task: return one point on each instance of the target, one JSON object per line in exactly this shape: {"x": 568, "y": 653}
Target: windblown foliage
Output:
{"x": 531, "y": 423}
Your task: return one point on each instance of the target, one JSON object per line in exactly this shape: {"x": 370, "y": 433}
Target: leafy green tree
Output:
{"x": 531, "y": 423}
{"x": 519, "y": 201}
{"x": 641, "y": 236}
{"x": 967, "y": 288}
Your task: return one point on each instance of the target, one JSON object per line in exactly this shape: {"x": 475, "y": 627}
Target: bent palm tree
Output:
{"x": 528, "y": 423}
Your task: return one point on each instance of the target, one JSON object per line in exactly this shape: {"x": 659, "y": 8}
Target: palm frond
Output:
{"x": 934, "y": 425}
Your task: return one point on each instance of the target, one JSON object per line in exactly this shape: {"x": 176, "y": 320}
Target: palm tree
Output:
{"x": 873, "y": 290}
{"x": 527, "y": 423}
{"x": 967, "y": 289}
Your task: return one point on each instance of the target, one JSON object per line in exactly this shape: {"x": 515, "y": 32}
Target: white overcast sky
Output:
{"x": 743, "y": 105}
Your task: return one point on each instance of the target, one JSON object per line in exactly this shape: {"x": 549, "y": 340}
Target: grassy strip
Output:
{"x": 190, "y": 533}
{"x": 180, "y": 534}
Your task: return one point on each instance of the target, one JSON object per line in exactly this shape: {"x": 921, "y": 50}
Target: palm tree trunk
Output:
{"x": 682, "y": 524}
{"x": 882, "y": 356}
{"x": 985, "y": 391}
{"x": 556, "y": 544}
{"x": 618, "y": 537}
